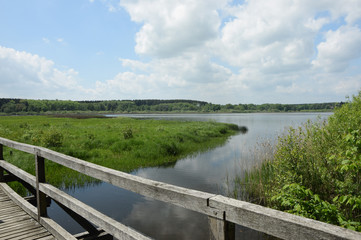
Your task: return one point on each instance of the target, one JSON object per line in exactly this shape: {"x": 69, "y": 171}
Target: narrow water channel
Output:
{"x": 207, "y": 171}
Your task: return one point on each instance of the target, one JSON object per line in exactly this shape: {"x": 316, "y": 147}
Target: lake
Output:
{"x": 206, "y": 171}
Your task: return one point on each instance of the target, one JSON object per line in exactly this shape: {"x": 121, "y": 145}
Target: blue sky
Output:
{"x": 219, "y": 51}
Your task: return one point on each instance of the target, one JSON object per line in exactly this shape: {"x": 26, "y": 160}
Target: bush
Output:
{"x": 52, "y": 138}
{"x": 316, "y": 170}
{"x": 128, "y": 133}
{"x": 170, "y": 149}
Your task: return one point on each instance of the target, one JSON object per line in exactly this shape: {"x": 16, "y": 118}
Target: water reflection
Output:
{"x": 170, "y": 222}
{"x": 206, "y": 171}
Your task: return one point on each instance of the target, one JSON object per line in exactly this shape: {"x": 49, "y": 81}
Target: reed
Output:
{"x": 315, "y": 170}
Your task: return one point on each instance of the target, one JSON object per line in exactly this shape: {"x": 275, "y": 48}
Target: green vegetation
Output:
{"x": 124, "y": 144}
{"x": 25, "y": 107}
{"x": 314, "y": 171}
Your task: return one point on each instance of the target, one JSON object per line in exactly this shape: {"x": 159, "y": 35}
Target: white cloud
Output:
{"x": 221, "y": 49}
{"x": 272, "y": 36}
{"x": 179, "y": 77}
{"x": 339, "y": 49}
{"x": 60, "y": 40}
{"x": 28, "y": 75}
{"x": 171, "y": 28}
{"x": 46, "y": 40}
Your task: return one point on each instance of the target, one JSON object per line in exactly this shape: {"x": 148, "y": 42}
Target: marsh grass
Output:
{"x": 315, "y": 170}
{"x": 250, "y": 184}
{"x": 123, "y": 144}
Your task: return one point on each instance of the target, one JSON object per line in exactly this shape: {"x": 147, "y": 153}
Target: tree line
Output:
{"x": 28, "y": 106}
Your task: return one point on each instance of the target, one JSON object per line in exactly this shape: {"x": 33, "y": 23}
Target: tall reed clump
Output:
{"x": 315, "y": 170}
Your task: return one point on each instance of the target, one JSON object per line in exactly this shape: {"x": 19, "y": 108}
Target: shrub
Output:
{"x": 52, "y": 138}
{"x": 316, "y": 170}
{"x": 128, "y": 133}
{"x": 170, "y": 149}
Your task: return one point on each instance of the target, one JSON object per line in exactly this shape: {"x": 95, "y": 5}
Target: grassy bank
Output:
{"x": 313, "y": 171}
{"x": 124, "y": 144}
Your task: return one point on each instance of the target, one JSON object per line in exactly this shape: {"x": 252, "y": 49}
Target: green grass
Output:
{"x": 123, "y": 144}
{"x": 314, "y": 171}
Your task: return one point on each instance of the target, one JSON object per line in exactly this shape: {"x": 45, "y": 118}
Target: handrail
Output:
{"x": 223, "y": 210}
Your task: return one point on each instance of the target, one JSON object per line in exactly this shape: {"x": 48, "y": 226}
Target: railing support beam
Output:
{"x": 220, "y": 229}
{"x": 1, "y": 158}
{"x": 80, "y": 220}
{"x": 40, "y": 178}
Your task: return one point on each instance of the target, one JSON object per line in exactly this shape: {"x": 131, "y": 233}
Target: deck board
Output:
{"x": 16, "y": 224}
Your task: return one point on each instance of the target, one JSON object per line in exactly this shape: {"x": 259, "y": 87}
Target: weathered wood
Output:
{"x": 21, "y": 174}
{"x": 1, "y": 158}
{"x": 32, "y": 199}
{"x": 17, "y": 224}
{"x": 221, "y": 209}
{"x": 109, "y": 225}
{"x": 54, "y": 228}
{"x": 100, "y": 236}
{"x": 79, "y": 219}
{"x": 40, "y": 178}
{"x": 221, "y": 229}
{"x": 183, "y": 197}
{"x": 276, "y": 223}
{"x": 19, "y": 146}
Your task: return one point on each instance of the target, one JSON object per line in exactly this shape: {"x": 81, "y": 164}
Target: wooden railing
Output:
{"x": 223, "y": 212}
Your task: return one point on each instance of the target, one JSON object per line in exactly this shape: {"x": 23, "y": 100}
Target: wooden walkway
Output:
{"x": 17, "y": 224}
{"x": 223, "y": 213}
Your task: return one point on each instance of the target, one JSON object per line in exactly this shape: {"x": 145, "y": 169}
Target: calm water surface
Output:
{"x": 205, "y": 171}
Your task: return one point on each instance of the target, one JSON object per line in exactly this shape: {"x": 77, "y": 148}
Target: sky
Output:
{"x": 218, "y": 51}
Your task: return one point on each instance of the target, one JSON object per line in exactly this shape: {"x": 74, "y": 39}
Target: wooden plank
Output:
{"x": 54, "y": 228}
{"x": 183, "y": 197}
{"x": 99, "y": 236}
{"x": 109, "y": 225}
{"x": 30, "y": 179}
{"x": 19, "y": 146}
{"x": 35, "y": 237}
{"x": 9, "y": 208}
{"x": 277, "y": 223}
{"x": 33, "y": 232}
{"x": 44, "y": 238}
{"x": 6, "y": 203}
{"x": 19, "y": 232}
{"x": 15, "y": 220}
{"x": 17, "y": 225}
{"x": 84, "y": 223}
{"x": 9, "y": 217}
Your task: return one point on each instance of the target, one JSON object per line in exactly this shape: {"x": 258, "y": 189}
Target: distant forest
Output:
{"x": 25, "y": 106}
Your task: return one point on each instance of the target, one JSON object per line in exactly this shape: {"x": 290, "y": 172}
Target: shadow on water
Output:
{"x": 153, "y": 218}
{"x": 243, "y": 129}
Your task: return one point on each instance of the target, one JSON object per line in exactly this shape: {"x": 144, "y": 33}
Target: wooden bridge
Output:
{"x": 223, "y": 213}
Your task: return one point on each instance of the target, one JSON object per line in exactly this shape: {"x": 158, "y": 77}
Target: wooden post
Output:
{"x": 1, "y": 158}
{"x": 221, "y": 229}
{"x": 40, "y": 178}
